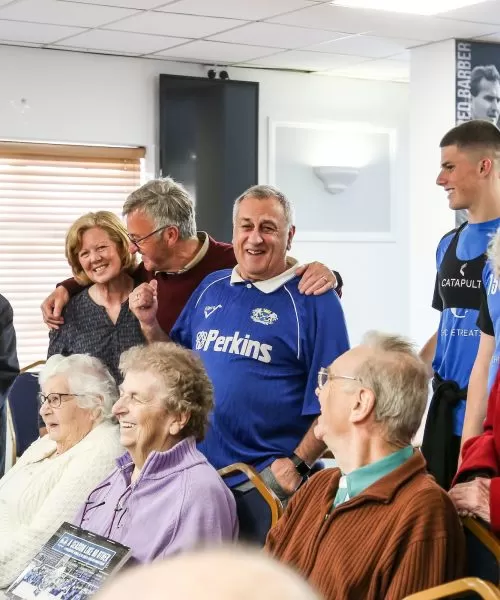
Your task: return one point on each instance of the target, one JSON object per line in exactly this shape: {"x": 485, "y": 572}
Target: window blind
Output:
{"x": 43, "y": 189}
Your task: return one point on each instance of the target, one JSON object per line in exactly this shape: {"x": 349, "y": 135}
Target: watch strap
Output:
{"x": 302, "y": 468}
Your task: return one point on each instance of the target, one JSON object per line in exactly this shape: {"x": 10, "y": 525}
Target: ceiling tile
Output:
{"x": 217, "y": 52}
{"x": 3, "y": 2}
{"x": 278, "y": 36}
{"x": 306, "y": 61}
{"x": 34, "y": 33}
{"x": 21, "y": 44}
{"x": 63, "y": 13}
{"x": 118, "y": 41}
{"x": 335, "y": 18}
{"x": 384, "y": 70}
{"x": 250, "y": 10}
{"x": 383, "y": 24}
{"x": 188, "y": 26}
{"x": 432, "y": 29}
{"x": 63, "y": 47}
{"x": 137, "y": 4}
{"x": 485, "y": 12}
{"x": 365, "y": 45}
{"x": 403, "y": 57}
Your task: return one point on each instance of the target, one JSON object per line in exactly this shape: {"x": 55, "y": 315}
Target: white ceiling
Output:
{"x": 308, "y": 35}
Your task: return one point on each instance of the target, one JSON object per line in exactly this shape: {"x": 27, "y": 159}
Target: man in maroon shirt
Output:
{"x": 162, "y": 228}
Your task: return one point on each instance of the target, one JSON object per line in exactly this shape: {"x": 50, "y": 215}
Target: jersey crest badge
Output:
{"x": 264, "y": 316}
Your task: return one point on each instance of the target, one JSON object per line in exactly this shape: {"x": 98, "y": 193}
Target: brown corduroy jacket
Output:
{"x": 401, "y": 535}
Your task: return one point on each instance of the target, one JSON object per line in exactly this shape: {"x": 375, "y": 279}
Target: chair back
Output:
{"x": 482, "y": 551}
{"x": 22, "y": 406}
{"x": 258, "y": 509}
{"x": 472, "y": 586}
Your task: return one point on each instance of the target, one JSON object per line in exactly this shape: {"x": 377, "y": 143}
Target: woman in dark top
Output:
{"x": 97, "y": 321}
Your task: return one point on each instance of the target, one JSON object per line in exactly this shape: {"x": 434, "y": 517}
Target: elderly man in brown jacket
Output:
{"x": 378, "y": 526}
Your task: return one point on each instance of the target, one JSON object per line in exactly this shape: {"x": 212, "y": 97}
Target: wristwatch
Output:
{"x": 302, "y": 468}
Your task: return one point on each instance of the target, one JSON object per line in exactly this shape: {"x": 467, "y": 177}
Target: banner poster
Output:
{"x": 477, "y": 87}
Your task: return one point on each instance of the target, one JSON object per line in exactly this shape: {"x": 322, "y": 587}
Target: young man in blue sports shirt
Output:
{"x": 262, "y": 343}
{"x": 470, "y": 175}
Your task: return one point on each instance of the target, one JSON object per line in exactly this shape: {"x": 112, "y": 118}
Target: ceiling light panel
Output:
{"x": 412, "y": 7}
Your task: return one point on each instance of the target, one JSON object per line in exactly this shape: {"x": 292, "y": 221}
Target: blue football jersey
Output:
{"x": 262, "y": 351}
{"x": 489, "y": 317}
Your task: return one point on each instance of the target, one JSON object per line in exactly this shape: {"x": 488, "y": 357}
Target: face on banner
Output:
{"x": 477, "y": 82}
{"x": 486, "y": 105}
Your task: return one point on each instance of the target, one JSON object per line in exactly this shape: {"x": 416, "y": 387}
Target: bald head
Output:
{"x": 231, "y": 573}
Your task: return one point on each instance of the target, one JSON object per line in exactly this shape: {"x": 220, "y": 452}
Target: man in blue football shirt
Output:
{"x": 262, "y": 343}
{"x": 470, "y": 175}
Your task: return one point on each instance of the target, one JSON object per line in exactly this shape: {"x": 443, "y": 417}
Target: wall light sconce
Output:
{"x": 336, "y": 179}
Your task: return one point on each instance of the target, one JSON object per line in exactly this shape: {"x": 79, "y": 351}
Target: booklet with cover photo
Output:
{"x": 72, "y": 565}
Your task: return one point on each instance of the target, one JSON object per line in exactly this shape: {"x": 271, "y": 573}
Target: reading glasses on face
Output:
{"x": 324, "y": 376}
{"x": 55, "y": 399}
{"x": 138, "y": 241}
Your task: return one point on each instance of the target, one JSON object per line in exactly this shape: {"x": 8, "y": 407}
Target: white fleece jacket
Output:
{"x": 39, "y": 493}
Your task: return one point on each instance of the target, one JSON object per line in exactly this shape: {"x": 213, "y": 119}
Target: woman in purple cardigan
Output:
{"x": 163, "y": 497}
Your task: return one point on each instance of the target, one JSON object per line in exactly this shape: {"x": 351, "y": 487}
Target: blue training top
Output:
{"x": 262, "y": 344}
{"x": 489, "y": 317}
{"x": 458, "y": 334}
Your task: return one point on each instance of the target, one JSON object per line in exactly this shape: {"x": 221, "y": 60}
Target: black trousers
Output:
{"x": 254, "y": 516}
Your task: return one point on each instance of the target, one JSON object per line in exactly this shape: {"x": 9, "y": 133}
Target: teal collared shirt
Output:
{"x": 354, "y": 483}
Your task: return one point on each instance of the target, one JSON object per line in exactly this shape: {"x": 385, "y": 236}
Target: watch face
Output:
{"x": 301, "y": 467}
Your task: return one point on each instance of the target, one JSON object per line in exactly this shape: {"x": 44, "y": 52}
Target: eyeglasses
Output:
{"x": 138, "y": 242}
{"x": 132, "y": 398}
{"x": 324, "y": 376}
{"x": 53, "y": 400}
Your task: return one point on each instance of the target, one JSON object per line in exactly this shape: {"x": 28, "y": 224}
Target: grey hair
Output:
{"x": 87, "y": 377}
{"x": 263, "y": 192}
{"x": 494, "y": 253}
{"x": 185, "y": 385}
{"x": 399, "y": 380}
{"x": 166, "y": 202}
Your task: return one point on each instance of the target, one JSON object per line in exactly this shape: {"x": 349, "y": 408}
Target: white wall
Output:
{"x": 432, "y": 114}
{"x": 113, "y": 100}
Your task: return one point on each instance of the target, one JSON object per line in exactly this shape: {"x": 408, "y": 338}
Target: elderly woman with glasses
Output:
{"x": 54, "y": 476}
{"x": 97, "y": 320}
{"x": 163, "y": 496}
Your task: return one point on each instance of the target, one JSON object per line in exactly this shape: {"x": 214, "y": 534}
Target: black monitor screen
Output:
{"x": 209, "y": 142}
